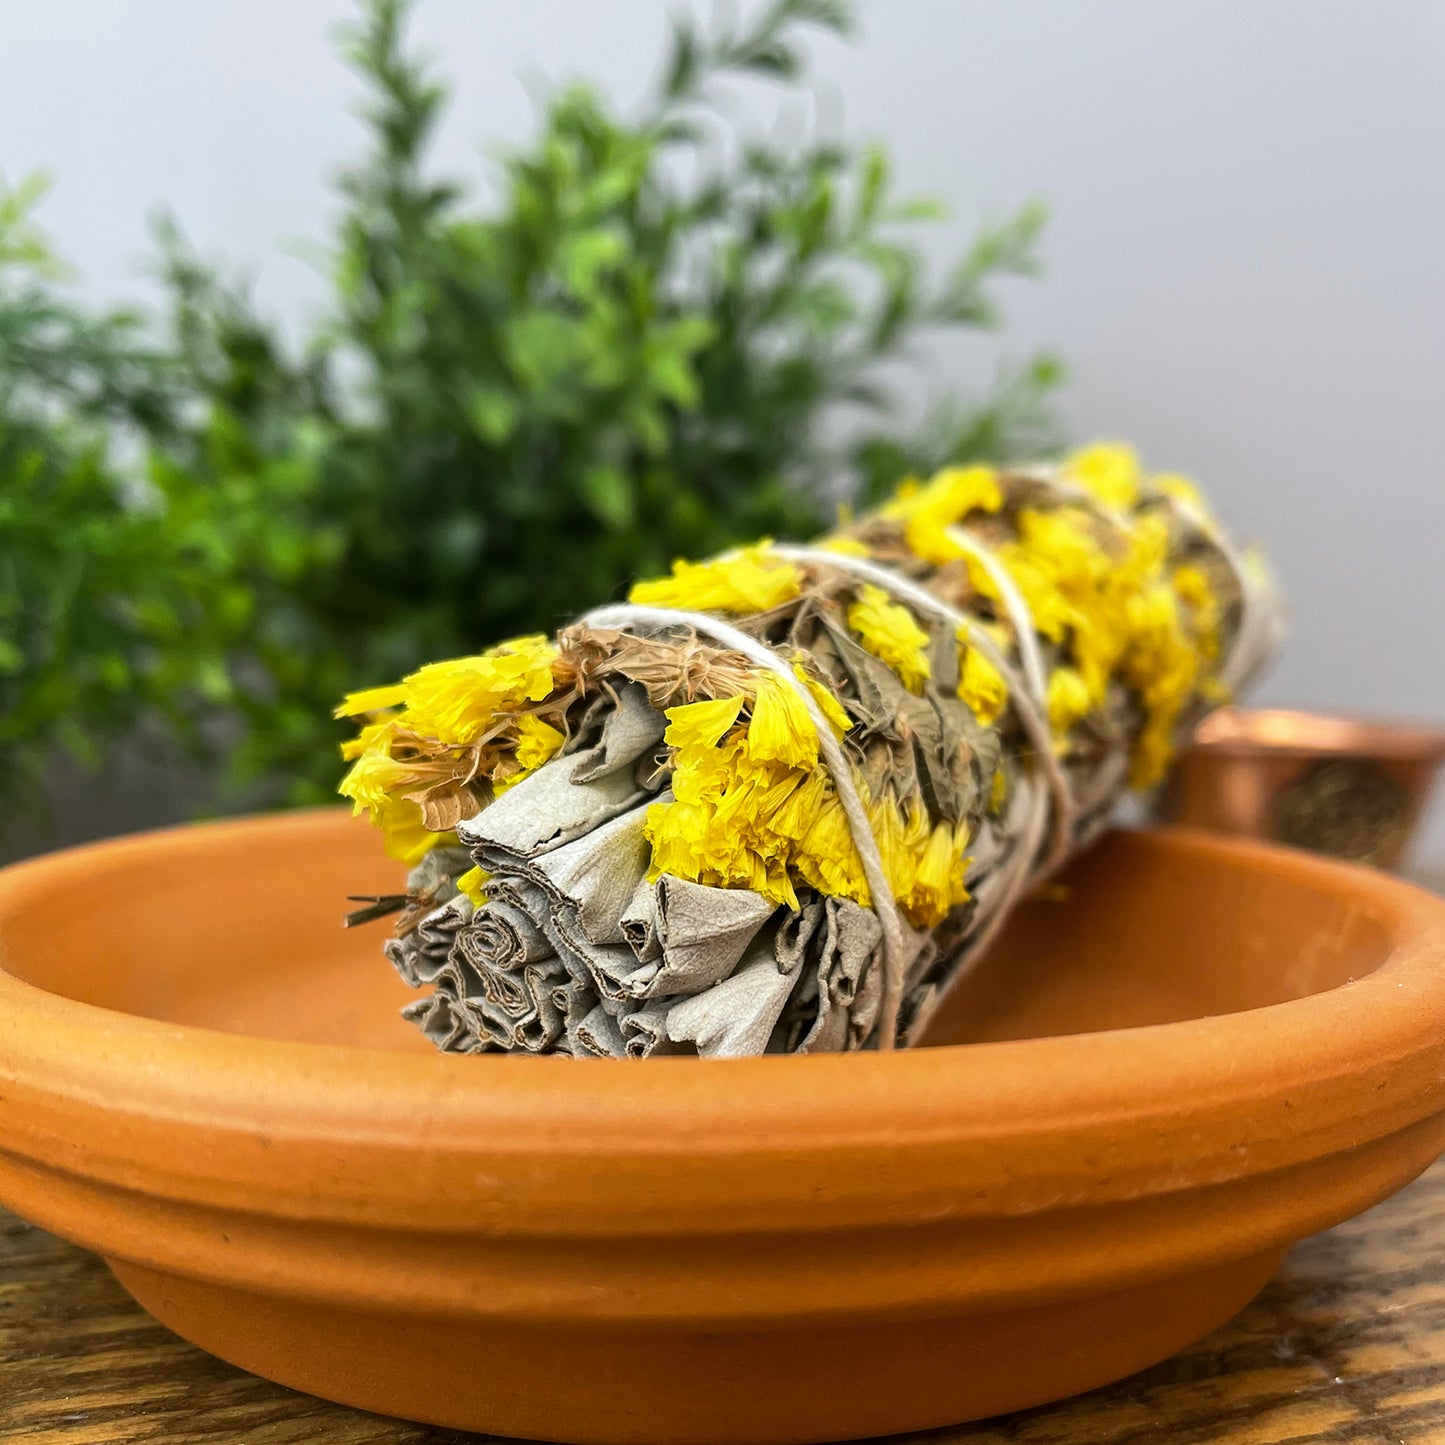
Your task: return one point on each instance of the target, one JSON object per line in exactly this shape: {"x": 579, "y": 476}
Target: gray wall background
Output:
{"x": 1244, "y": 264}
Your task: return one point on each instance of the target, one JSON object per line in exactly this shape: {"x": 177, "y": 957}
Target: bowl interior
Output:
{"x": 1138, "y": 932}
{"x": 237, "y": 927}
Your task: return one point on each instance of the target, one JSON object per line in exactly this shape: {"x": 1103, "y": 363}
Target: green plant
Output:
{"x": 605, "y": 368}
{"x": 93, "y": 598}
{"x": 647, "y": 343}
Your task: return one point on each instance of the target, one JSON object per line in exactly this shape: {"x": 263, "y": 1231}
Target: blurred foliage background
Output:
{"x": 648, "y": 336}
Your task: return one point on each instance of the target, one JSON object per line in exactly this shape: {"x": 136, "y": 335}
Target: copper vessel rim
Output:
{"x": 1293, "y": 732}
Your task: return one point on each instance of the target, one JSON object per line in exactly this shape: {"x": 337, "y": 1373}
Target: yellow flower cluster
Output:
{"x": 1069, "y": 702}
{"x": 448, "y": 725}
{"x": 925, "y": 863}
{"x": 456, "y": 701}
{"x": 1108, "y": 470}
{"x": 1110, "y": 606}
{"x": 1195, "y": 590}
{"x": 1162, "y": 664}
{"x": 928, "y": 510}
{"x": 980, "y": 683}
{"x": 892, "y": 634}
{"x": 749, "y": 580}
{"x": 753, "y": 808}
{"x": 1100, "y": 593}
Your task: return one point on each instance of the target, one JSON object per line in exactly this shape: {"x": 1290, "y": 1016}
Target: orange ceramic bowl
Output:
{"x": 1144, "y": 1097}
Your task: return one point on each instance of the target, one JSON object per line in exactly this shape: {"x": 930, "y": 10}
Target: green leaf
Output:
{"x": 609, "y": 497}
{"x": 492, "y": 412}
{"x": 542, "y": 346}
{"x": 670, "y": 373}
{"x": 212, "y": 680}
{"x": 916, "y": 209}
{"x": 683, "y": 65}
{"x": 872, "y": 186}
{"x": 587, "y": 256}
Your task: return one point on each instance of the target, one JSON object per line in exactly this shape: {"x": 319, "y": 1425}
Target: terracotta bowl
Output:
{"x": 1353, "y": 787}
{"x": 1210, "y": 1051}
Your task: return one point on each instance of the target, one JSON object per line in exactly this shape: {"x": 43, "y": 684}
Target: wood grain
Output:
{"x": 1347, "y": 1345}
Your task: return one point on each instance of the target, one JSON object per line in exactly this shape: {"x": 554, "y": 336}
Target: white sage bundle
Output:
{"x": 779, "y": 801}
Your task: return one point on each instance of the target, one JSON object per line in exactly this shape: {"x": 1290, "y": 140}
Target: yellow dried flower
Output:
{"x": 1192, "y": 584}
{"x": 1058, "y": 569}
{"x": 981, "y": 684}
{"x": 892, "y": 634}
{"x": 828, "y": 858}
{"x": 371, "y": 699}
{"x": 1061, "y": 541}
{"x": 406, "y": 837}
{"x": 1069, "y": 702}
{"x": 748, "y": 580}
{"x": 924, "y": 863}
{"x": 845, "y": 546}
{"x": 781, "y": 729}
{"x": 720, "y": 830}
{"x": 456, "y": 701}
{"x": 831, "y": 708}
{"x": 375, "y": 782}
{"x": 751, "y": 796}
{"x": 374, "y": 737}
{"x": 701, "y": 773}
{"x": 998, "y": 792}
{"x": 928, "y": 511}
{"x": 373, "y": 777}
{"x": 1052, "y": 612}
{"x": 472, "y": 885}
{"x": 675, "y": 832}
{"x": 938, "y": 881}
{"x": 1110, "y": 470}
{"x": 1063, "y": 545}
{"x": 446, "y": 709}
{"x": 1162, "y": 667}
{"x": 536, "y": 741}
{"x": 797, "y": 812}
{"x": 899, "y": 865}
{"x": 902, "y": 833}
{"x": 1148, "y": 550}
{"x": 696, "y": 725}
{"x": 1181, "y": 489}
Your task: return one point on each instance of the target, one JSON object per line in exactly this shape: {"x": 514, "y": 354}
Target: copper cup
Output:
{"x": 1352, "y": 787}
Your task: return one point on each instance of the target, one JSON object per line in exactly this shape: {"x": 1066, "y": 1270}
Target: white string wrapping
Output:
{"x": 1028, "y": 696}
{"x": 629, "y": 615}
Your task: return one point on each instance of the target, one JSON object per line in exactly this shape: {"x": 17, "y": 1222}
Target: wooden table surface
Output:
{"x": 1348, "y": 1344}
